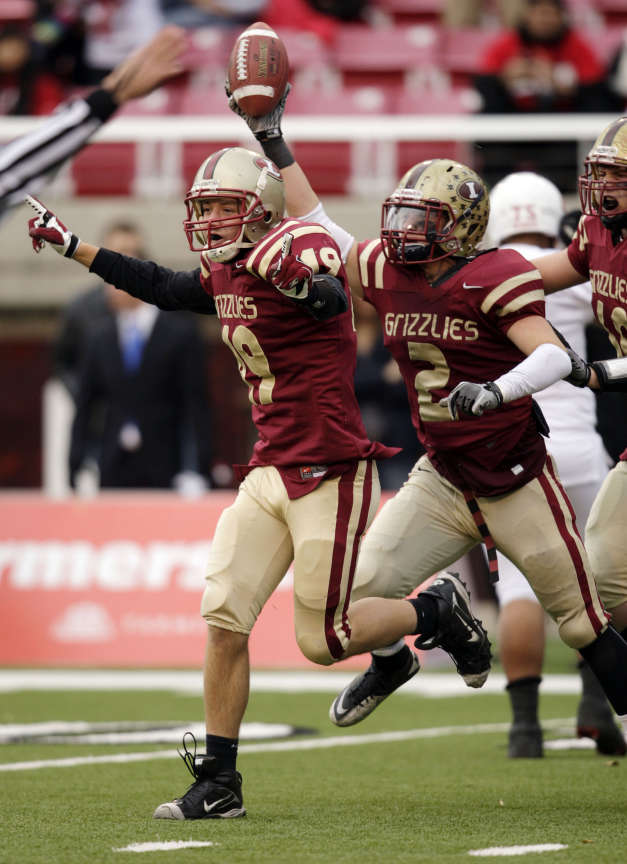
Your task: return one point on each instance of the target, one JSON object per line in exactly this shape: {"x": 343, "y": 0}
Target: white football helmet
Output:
{"x": 524, "y": 203}
{"x": 253, "y": 182}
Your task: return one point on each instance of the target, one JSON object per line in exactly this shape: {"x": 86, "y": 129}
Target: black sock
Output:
{"x": 224, "y": 750}
{"x": 607, "y": 657}
{"x": 426, "y": 614}
{"x": 623, "y": 633}
{"x": 392, "y": 661}
{"x": 523, "y": 695}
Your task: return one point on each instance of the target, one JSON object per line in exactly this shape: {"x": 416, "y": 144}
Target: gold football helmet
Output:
{"x": 440, "y": 208}
{"x": 253, "y": 182}
{"x": 600, "y": 194}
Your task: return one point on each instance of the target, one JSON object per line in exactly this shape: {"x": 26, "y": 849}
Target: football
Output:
{"x": 258, "y": 69}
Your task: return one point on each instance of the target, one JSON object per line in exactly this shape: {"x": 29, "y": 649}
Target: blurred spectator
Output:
{"x": 212, "y": 13}
{"x": 542, "y": 65}
{"x": 478, "y": 13}
{"x": 115, "y": 28}
{"x": 382, "y": 399}
{"x": 25, "y": 86}
{"x": 137, "y": 375}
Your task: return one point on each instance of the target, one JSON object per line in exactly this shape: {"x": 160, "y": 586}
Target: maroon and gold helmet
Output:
{"x": 440, "y": 208}
{"x": 599, "y": 194}
{"x": 253, "y": 182}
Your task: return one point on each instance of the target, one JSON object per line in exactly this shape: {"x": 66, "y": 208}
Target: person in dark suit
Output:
{"x": 137, "y": 376}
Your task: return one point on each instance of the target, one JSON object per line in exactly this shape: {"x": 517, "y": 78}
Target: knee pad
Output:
{"x": 576, "y": 631}
{"x": 315, "y": 648}
{"x": 216, "y": 608}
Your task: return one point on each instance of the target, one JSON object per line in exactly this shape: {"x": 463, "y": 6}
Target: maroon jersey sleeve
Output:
{"x": 578, "y": 249}
{"x": 310, "y": 242}
{"x": 508, "y": 289}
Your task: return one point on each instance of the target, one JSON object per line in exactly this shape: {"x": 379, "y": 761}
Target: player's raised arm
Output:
{"x": 300, "y": 198}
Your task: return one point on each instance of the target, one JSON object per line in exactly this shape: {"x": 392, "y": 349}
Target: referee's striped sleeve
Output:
{"x": 25, "y": 162}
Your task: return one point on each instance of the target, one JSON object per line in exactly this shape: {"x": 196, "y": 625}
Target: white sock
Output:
{"x": 389, "y": 649}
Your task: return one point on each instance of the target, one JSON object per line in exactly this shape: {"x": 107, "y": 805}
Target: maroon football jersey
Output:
{"x": 299, "y": 371}
{"x": 457, "y": 331}
{"x": 593, "y": 254}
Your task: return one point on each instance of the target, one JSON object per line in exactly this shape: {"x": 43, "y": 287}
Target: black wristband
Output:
{"x": 102, "y": 103}
{"x": 277, "y": 150}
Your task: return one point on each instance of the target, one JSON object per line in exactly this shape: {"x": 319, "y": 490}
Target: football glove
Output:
{"x": 268, "y": 126}
{"x": 580, "y": 370}
{"x": 469, "y": 398}
{"x": 46, "y": 228}
{"x": 291, "y": 276}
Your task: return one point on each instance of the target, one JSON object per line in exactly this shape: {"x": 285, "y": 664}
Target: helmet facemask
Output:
{"x": 416, "y": 232}
{"x": 602, "y": 196}
{"x": 203, "y": 233}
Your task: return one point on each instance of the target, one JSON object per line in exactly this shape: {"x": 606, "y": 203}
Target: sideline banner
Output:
{"x": 117, "y": 581}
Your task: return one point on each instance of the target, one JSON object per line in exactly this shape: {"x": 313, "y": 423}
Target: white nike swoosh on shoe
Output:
{"x": 209, "y": 807}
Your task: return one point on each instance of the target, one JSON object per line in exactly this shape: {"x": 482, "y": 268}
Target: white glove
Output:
{"x": 468, "y": 398}
{"x": 46, "y": 228}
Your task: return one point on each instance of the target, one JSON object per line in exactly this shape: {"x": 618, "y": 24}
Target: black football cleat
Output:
{"x": 214, "y": 794}
{"x": 459, "y": 633}
{"x": 595, "y": 720}
{"x": 366, "y": 691}
{"x": 525, "y": 741}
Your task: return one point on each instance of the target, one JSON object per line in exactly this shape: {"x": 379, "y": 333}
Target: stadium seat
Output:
{"x": 412, "y": 11}
{"x": 339, "y": 101}
{"x": 447, "y": 100}
{"x": 209, "y": 47}
{"x": 462, "y": 50}
{"x": 105, "y": 169}
{"x": 304, "y": 49}
{"x": 384, "y": 57}
{"x": 411, "y": 152}
{"x": 16, "y": 10}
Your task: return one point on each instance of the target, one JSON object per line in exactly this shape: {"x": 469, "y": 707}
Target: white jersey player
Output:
{"x": 526, "y": 210}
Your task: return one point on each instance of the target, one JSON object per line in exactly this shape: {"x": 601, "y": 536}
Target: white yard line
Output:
{"x": 284, "y": 746}
{"x": 166, "y": 846}
{"x": 431, "y": 684}
{"x": 506, "y": 851}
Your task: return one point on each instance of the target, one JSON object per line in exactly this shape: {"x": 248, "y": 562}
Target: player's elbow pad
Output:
{"x": 328, "y": 297}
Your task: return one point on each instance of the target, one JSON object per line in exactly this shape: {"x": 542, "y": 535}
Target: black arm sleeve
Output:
{"x": 328, "y": 297}
{"x": 167, "y": 289}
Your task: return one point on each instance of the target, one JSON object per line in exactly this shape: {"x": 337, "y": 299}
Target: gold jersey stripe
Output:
{"x": 519, "y": 302}
{"x": 268, "y": 239}
{"x": 495, "y": 295}
{"x": 363, "y": 262}
{"x": 262, "y": 268}
{"x": 378, "y": 270}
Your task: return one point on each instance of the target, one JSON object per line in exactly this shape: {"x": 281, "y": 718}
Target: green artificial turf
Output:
{"x": 424, "y": 800}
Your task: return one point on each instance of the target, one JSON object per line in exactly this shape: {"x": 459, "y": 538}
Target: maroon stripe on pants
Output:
{"x": 344, "y": 508}
{"x": 571, "y": 545}
{"x": 361, "y": 527}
